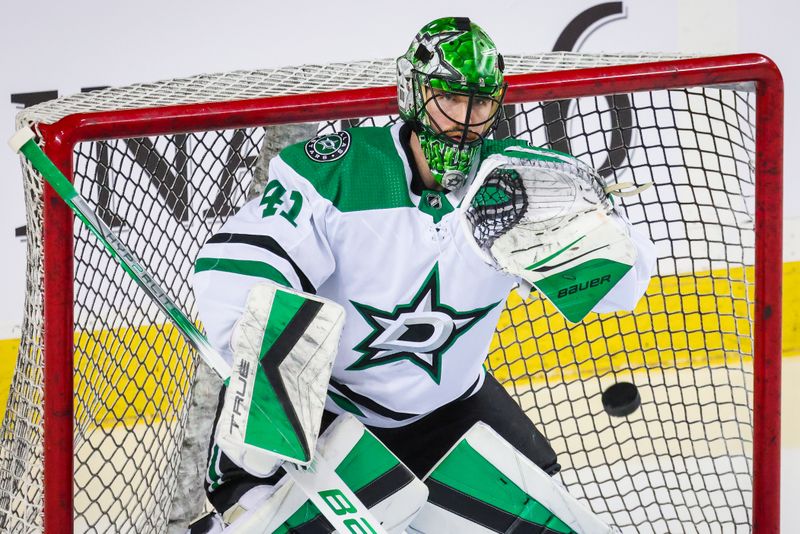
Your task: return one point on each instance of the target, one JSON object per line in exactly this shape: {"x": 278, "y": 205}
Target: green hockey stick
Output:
{"x": 318, "y": 480}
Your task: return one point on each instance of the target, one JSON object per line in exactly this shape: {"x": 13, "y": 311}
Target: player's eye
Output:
{"x": 447, "y": 97}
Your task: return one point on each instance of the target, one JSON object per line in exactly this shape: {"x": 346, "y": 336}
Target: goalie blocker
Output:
{"x": 283, "y": 351}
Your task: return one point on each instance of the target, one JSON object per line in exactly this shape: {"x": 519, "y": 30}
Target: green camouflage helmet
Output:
{"x": 450, "y": 88}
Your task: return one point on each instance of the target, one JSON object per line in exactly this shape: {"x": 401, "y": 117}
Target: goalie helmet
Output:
{"x": 450, "y": 89}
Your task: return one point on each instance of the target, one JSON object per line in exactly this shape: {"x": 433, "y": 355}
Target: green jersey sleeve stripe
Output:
{"x": 366, "y": 402}
{"x": 267, "y": 243}
{"x": 244, "y": 267}
{"x": 344, "y": 403}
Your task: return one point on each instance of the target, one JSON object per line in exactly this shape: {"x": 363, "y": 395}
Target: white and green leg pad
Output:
{"x": 387, "y": 487}
{"x": 484, "y": 485}
{"x": 283, "y": 351}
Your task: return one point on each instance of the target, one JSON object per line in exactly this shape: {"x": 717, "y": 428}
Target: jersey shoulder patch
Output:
{"x": 518, "y": 148}
{"x": 328, "y": 147}
{"x": 357, "y": 169}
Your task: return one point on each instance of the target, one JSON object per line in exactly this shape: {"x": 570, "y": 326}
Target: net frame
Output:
{"x": 65, "y": 132}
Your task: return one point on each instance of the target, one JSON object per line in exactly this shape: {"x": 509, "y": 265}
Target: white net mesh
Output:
{"x": 682, "y": 463}
{"x": 244, "y": 85}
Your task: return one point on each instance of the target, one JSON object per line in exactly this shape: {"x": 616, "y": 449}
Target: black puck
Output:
{"x": 621, "y": 399}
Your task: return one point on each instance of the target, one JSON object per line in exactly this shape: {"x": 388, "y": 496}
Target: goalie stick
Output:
{"x": 343, "y": 519}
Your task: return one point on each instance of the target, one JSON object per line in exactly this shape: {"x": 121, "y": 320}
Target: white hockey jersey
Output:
{"x": 343, "y": 216}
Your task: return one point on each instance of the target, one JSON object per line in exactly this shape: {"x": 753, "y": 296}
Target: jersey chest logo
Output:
{"x": 328, "y": 147}
{"x": 419, "y": 332}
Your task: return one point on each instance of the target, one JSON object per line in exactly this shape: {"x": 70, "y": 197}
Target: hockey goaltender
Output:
{"x": 381, "y": 257}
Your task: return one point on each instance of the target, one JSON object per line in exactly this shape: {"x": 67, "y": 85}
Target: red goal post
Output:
{"x": 58, "y": 337}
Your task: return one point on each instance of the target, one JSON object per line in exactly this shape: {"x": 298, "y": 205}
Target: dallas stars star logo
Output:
{"x": 437, "y": 64}
{"x": 419, "y": 332}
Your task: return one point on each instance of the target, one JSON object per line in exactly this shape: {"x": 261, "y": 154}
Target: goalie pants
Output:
{"x": 419, "y": 445}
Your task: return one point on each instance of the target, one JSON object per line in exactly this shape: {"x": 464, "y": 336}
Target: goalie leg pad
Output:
{"x": 283, "y": 347}
{"x": 386, "y": 486}
{"x": 484, "y": 485}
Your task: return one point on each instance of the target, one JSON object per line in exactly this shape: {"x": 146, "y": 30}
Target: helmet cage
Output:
{"x": 427, "y": 91}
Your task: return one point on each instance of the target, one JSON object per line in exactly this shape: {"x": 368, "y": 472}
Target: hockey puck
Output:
{"x": 621, "y": 399}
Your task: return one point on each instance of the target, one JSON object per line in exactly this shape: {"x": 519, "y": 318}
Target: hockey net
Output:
{"x": 164, "y": 164}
